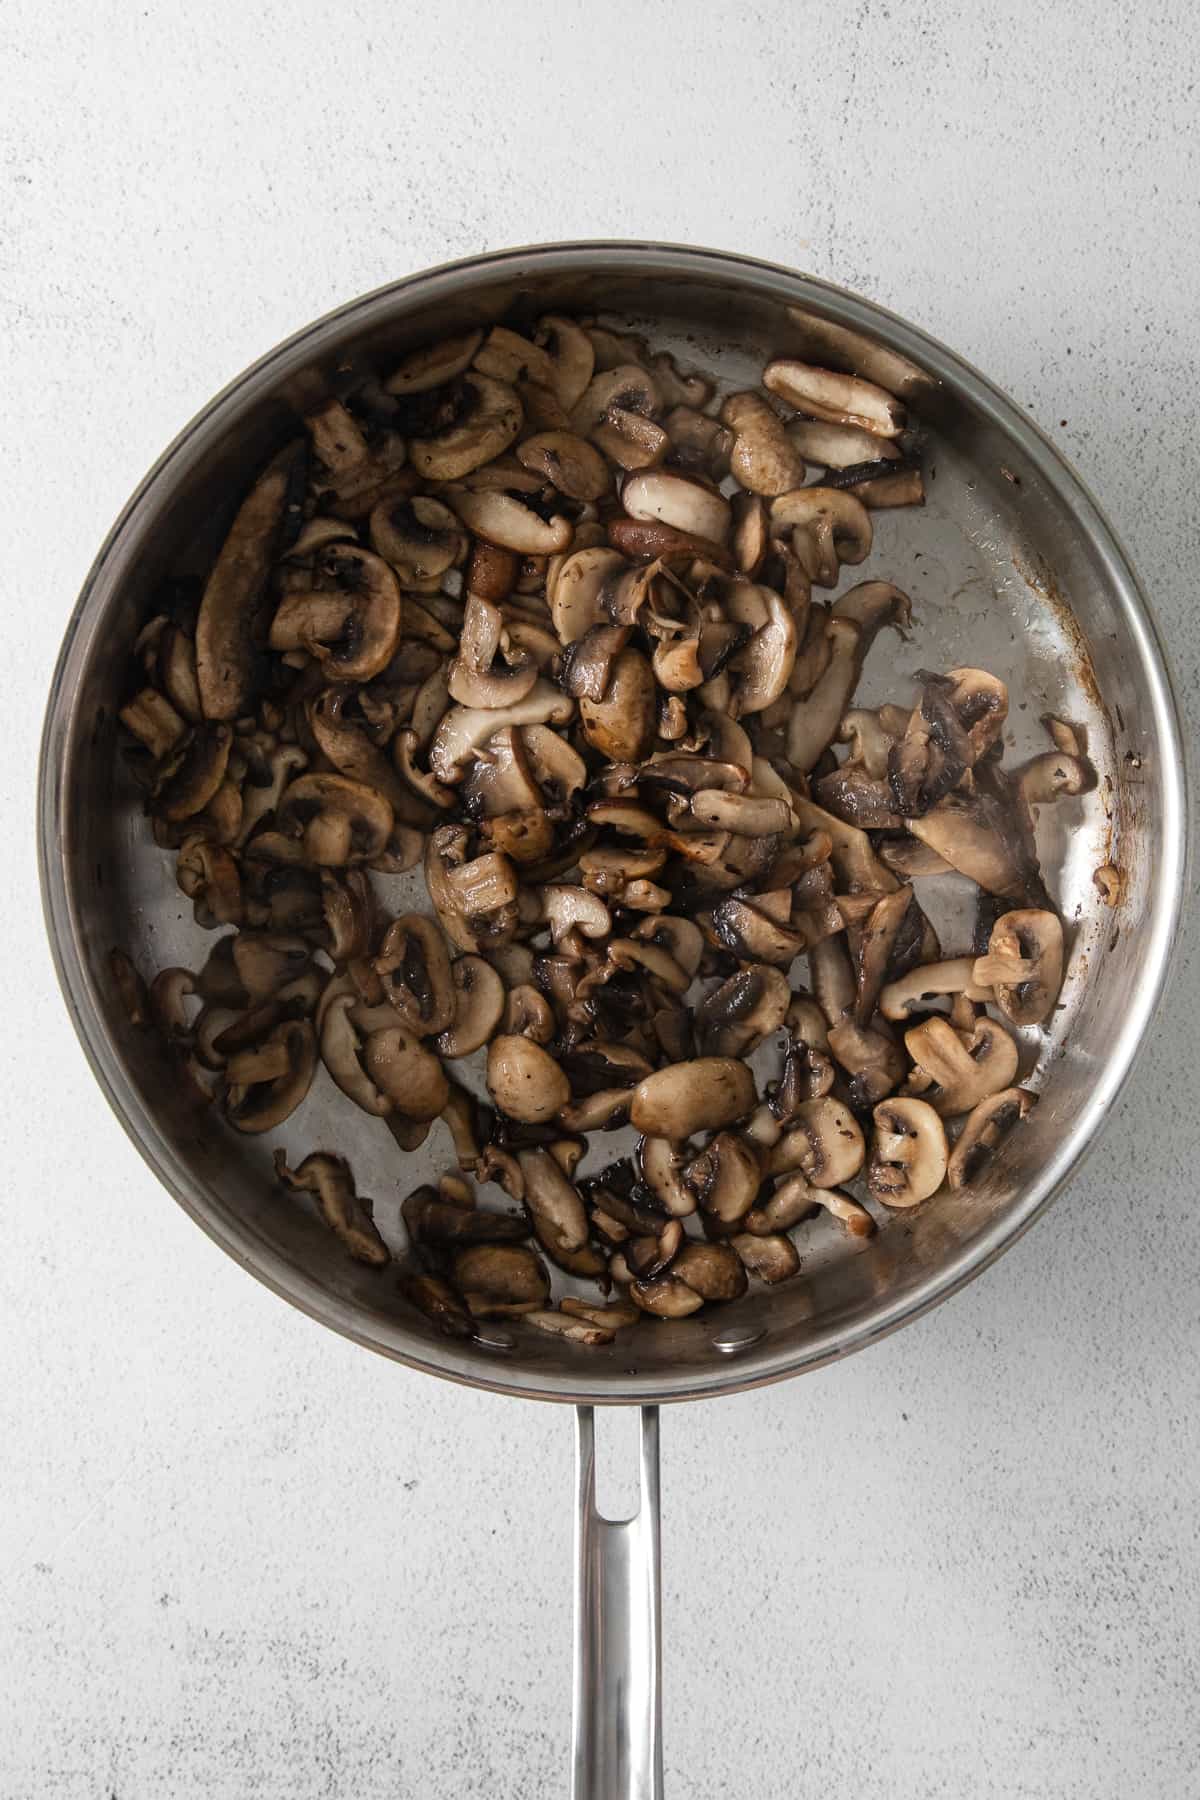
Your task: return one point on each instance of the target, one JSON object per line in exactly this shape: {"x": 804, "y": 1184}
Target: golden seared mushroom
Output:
{"x": 191, "y": 773}
{"x": 479, "y": 1003}
{"x": 771, "y": 1258}
{"x": 414, "y": 967}
{"x": 955, "y": 1070}
{"x": 705, "y": 1093}
{"x": 839, "y": 399}
{"x": 983, "y": 1131}
{"x": 909, "y": 1155}
{"x": 714, "y": 1271}
{"x": 500, "y": 1281}
{"x": 350, "y": 622}
{"x": 795, "y": 1199}
{"x": 621, "y": 725}
{"x": 763, "y": 459}
{"x": 209, "y": 877}
{"x": 574, "y": 1329}
{"x": 666, "y": 1297}
{"x": 475, "y": 419}
{"x": 826, "y": 527}
{"x": 524, "y": 1081}
{"x": 824, "y": 1142}
{"x": 346, "y": 1214}
{"x": 725, "y": 1177}
{"x": 411, "y": 1076}
{"x": 419, "y": 536}
{"x": 436, "y": 1299}
{"x": 267, "y": 1082}
{"x": 1024, "y": 964}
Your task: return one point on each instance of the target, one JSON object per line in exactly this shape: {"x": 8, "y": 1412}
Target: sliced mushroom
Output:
{"x": 707, "y": 1092}
{"x": 331, "y": 821}
{"x": 569, "y": 352}
{"x": 414, "y": 968}
{"x": 824, "y": 1141}
{"x": 812, "y": 727}
{"x": 677, "y": 500}
{"x": 740, "y": 1014}
{"x": 506, "y": 520}
{"x": 410, "y": 1075}
{"x": 622, "y": 724}
{"x": 568, "y": 462}
{"x": 726, "y": 1177}
{"x": 840, "y": 399}
{"x": 1046, "y": 778}
{"x": 916, "y": 991}
{"x": 478, "y": 419}
{"x": 1023, "y": 965}
{"x": 839, "y": 446}
{"x": 764, "y": 459}
{"x": 433, "y": 365}
{"x": 464, "y": 729}
{"x": 500, "y": 1281}
{"x": 226, "y": 648}
{"x": 346, "y": 1214}
{"x": 261, "y": 1096}
{"x": 714, "y": 1271}
{"x": 956, "y": 1070}
{"x": 771, "y": 1259}
{"x": 524, "y": 1081}
{"x": 978, "y": 835}
{"x": 342, "y": 1046}
{"x": 352, "y": 624}
{"x": 418, "y": 536}
{"x": 826, "y": 526}
{"x": 984, "y": 1129}
{"x": 909, "y": 1155}
{"x": 479, "y": 1002}
{"x": 666, "y": 1297}
{"x": 554, "y": 1203}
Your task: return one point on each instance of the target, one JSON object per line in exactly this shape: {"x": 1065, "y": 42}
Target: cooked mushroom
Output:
{"x": 1024, "y": 964}
{"x": 839, "y": 446}
{"x": 477, "y": 419}
{"x": 433, "y": 365}
{"x": 824, "y": 1141}
{"x": 554, "y": 1204}
{"x": 506, "y": 520}
{"x": 411, "y": 1076}
{"x": 350, "y": 622}
{"x": 981, "y": 837}
{"x": 524, "y": 1081}
{"x": 826, "y": 526}
{"x": 418, "y": 536}
{"x": 771, "y": 1259}
{"x": 622, "y": 724}
{"x": 915, "y": 992}
{"x": 414, "y": 968}
{"x": 740, "y": 1014}
{"x": 763, "y": 458}
{"x": 500, "y": 1281}
{"x": 705, "y": 1093}
{"x": 268, "y": 1084}
{"x": 331, "y": 821}
{"x": 226, "y": 650}
{"x": 956, "y": 1070}
{"x": 346, "y": 1214}
{"x": 725, "y": 1177}
{"x": 678, "y": 500}
{"x": 908, "y": 1161}
{"x": 479, "y": 1002}
{"x": 982, "y": 1132}
{"x": 464, "y": 729}
{"x": 840, "y": 399}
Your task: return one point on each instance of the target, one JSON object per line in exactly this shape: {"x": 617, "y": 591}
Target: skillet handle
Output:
{"x": 617, "y": 1723}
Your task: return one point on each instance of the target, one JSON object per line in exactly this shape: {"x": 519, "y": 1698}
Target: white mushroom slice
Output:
{"x": 559, "y": 770}
{"x": 839, "y": 446}
{"x": 763, "y": 458}
{"x": 824, "y": 1141}
{"x": 575, "y": 596}
{"x": 497, "y": 689}
{"x": 631, "y": 440}
{"x": 707, "y": 1092}
{"x": 909, "y": 1155}
{"x": 568, "y": 462}
{"x": 869, "y": 740}
{"x": 987, "y": 1125}
{"x": 485, "y": 424}
{"x": 572, "y": 913}
{"x": 464, "y": 729}
{"x": 827, "y": 527}
{"x": 840, "y": 399}
{"x": 524, "y": 1081}
{"x": 433, "y": 365}
{"x": 570, "y": 354}
{"x": 503, "y": 519}
{"x": 679, "y": 501}
{"x": 1024, "y": 964}
{"x": 915, "y": 991}
{"x": 955, "y": 1070}
{"x": 812, "y": 726}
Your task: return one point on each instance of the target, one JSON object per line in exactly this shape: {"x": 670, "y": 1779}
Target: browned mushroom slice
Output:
{"x": 850, "y": 793}
{"x": 500, "y": 1281}
{"x": 772, "y": 1258}
{"x": 680, "y": 500}
{"x": 411, "y": 1076}
{"x": 414, "y": 967}
{"x": 871, "y": 942}
{"x": 479, "y": 1001}
{"x": 652, "y": 539}
{"x": 342, "y": 1046}
{"x": 916, "y": 991}
{"x": 955, "y": 1070}
{"x": 462, "y": 426}
{"x": 754, "y": 935}
{"x": 714, "y": 1271}
{"x": 418, "y": 536}
{"x": 344, "y": 1211}
{"x": 437, "y": 1300}
{"x": 154, "y": 722}
{"x": 984, "y": 1129}
{"x": 666, "y": 1297}
{"x": 1024, "y": 964}
{"x": 524, "y": 1081}
{"x": 872, "y": 1060}
{"x": 794, "y": 1199}
{"x": 725, "y": 1177}
{"x": 227, "y": 624}
{"x": 350, "y": 749}
{"x": 437, "y": 1217}
{"x": 909, "y": 1156}
{"x": 332, "y": 822}
{"x": 980, "y": 835}
{"x": 350, "y": 622}
{"x": 267, "y": 1083}
{"x": 464, "y": 729}
{"x": 743, "y": 1011}
{"x": 574, "y": 1330}
{"x": 707, "y": 1092}
{"x": 621, "y": 725}
{"x": 825, "y": 527}
{"x": 192, "y": 772}
{"x": 763, "y": 459}
{"x": 825, "y": 1142}
{"x": 568, "y": 352}
{"x": 615, "y": 1316}
{"x": 554, "y": 1204}
{"x": 840, "y": 399}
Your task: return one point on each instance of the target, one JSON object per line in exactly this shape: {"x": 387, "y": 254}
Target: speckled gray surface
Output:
{"x": 240, "y": 1556}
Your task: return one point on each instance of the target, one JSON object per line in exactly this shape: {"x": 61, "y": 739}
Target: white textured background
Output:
{"x": 240, "y": 1557}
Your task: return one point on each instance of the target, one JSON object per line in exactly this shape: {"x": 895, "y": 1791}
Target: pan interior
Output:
{"x": 1004, "y": 573}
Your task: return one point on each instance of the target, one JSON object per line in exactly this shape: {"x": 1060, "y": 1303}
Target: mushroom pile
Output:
{"x": 549, "y": 618}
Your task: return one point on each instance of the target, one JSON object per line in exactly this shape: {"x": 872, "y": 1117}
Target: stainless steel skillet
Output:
{"x": 1011, "y": 565}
